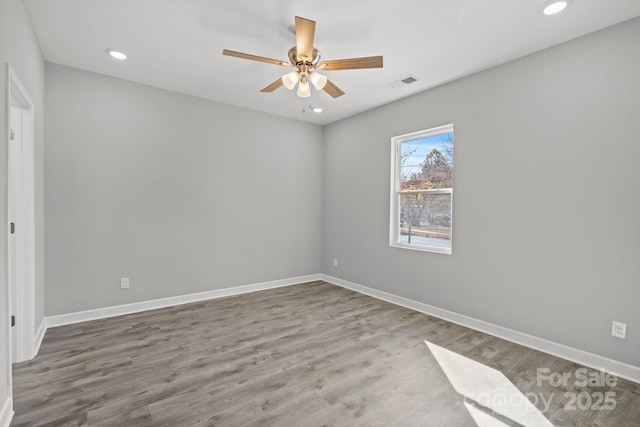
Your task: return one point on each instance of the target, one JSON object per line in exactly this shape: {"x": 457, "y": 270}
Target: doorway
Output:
{"x": 20, "y": 218}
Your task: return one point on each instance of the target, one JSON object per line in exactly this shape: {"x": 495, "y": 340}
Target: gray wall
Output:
{"x": 19, "y": 47}
{"x": 546, "y": 201}
{"x": 180, "y": 194}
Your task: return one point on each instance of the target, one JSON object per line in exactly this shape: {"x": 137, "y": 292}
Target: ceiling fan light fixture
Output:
{"x": 318, "y": 80}
{"x": 304, "y": 91}
{"x": 304, "y": 58}
{"x": 289, "y": 80}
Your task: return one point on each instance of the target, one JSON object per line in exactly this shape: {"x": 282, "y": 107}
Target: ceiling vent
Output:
{"x": 403, "y": 82}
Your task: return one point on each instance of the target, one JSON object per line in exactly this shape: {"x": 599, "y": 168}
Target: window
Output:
{"x": 422, "y": 190}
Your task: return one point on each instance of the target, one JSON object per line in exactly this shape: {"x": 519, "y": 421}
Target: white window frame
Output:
{"x": 396, "y": 192}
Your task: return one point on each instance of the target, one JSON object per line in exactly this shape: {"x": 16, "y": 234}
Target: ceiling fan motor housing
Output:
{"x": 296, "y": 62}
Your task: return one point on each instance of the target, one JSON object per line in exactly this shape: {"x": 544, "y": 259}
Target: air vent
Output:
{"x": 403, "y": 82}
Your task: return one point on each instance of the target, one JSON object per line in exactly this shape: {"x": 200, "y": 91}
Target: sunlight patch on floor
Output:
{"x": 491, "y": 399}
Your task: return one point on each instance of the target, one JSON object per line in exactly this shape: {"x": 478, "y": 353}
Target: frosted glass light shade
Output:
{"x": 304, "y": 91}
{"x": 289, "y": 80}
{"x": 318, "y": 80}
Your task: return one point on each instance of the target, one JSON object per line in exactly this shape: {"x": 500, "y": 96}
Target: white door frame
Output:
{"x": 24, "y": 307}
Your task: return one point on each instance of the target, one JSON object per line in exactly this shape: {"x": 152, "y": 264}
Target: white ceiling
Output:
{"x": 177, "y": 44}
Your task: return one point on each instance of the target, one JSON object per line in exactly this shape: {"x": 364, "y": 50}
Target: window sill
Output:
{"x": 433, "y": 249}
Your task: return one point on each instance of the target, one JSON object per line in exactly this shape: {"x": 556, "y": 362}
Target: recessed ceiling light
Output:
{"x": 555, "y": 7}
{"x": 317, "y": 110}
{"x": 116, "y": 54}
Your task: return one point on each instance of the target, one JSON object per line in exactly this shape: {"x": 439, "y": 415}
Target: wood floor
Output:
{"x": 307, "y": 355}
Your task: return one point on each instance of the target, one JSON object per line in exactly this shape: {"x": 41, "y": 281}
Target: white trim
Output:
{"x": 6, "y": 413}
{"x": 17, "y": 95}
{"x": 118, "y": 310}
{"x": 620, "y": 369}
{"x": 39, "y": 337}
{"x": 21, "y": 93}
{"x": 438, "y": 130}
{"x": 433, "y": 249}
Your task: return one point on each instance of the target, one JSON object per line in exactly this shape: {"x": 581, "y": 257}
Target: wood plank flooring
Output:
{"x": 306, "y": 355}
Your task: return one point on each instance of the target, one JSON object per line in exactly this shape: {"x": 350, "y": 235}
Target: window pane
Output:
{"x": 427, "y": 163}
{"x": 425, "y": 220}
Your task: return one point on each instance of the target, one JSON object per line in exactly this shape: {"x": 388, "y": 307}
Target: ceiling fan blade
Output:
{"x": 273, "y": 86}
{"x": 351, "y": 63}
{"x": 305, "y": 32}
{"x": 255, "y": 58}
{"x": 332, "y": 89}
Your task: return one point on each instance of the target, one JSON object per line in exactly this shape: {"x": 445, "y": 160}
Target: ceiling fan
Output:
{"x": 305, "y": 59}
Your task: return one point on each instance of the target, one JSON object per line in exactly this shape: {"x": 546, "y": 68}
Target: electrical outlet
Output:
{"x": 619, "y": 330}
{"x": 124, "y": 283}
{"x": 335, "y": 262}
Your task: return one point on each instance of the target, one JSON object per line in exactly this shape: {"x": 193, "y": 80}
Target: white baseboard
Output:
{"x": 6, "y": 412}
{"x": 136, "y": 307}
{"x": 620, "y": 369}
